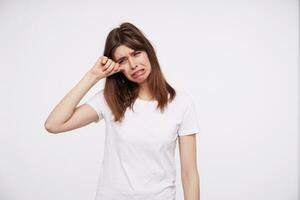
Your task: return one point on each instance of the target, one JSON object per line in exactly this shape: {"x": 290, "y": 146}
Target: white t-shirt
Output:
{"x": 139, "y": 153}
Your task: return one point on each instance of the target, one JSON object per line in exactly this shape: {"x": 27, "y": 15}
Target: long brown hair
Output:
{"x": 120, "y": 92}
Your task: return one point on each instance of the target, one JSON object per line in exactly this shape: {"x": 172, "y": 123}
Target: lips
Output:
{"x": 135, "y": 73}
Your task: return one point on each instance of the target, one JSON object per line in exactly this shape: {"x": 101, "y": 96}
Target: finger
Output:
{"x": 111, "y": 70}
{"x": 116, "y": 68}
{"x": 120, "y": 67}
{"x": 110, "y": 67}
{"x": 104, "y": 60}
{"x": 109, "y": 61}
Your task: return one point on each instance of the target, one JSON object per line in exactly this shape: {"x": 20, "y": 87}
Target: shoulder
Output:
{"x": 183, "y": 97}
{"x": 99, "y": 95}
{"x": 100, "y": 92}
{"x": 97, "y": 98}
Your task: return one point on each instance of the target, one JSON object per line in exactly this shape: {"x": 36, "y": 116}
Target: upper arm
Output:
{"x": 189, "y": 120}
{"x": 188, "y": 153}
{"x": 82, "y": 116}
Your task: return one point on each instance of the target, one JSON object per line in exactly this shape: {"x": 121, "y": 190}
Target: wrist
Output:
{"x": 92, "y": 77}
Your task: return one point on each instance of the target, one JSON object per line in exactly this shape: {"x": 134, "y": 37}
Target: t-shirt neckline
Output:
{"x": 146, "y": 101}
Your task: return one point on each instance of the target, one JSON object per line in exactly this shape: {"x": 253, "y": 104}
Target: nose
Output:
{"x": 132, "y": 63}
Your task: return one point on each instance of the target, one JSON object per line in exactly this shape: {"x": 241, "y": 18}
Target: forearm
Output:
{"x": 190, "y": 183}
{"x": 65, "y": 108}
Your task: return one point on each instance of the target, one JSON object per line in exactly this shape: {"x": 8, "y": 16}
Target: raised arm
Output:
{"x": 66, "y": 115}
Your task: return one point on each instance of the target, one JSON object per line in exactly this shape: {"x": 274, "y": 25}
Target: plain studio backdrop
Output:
{"x": 237, "y": 59}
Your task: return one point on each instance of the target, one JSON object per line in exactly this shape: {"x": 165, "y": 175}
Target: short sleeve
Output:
{"x": 189, "y": 123}
{"x": 97, "y": 103}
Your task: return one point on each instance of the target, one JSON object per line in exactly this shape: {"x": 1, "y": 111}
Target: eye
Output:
{"x": 137, "y": 53}
{"x": 121, "y": 62}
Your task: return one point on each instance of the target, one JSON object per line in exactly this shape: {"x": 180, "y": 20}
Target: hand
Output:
{"x": 105, "y": 67}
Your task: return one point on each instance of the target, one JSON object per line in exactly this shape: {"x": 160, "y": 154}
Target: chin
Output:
{"x": 140, "y": 81}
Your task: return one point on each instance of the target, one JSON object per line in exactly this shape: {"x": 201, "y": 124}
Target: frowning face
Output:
{"x": 135, "y": 65}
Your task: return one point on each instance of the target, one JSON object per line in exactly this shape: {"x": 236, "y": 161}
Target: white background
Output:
{"x": 238, "y": 60}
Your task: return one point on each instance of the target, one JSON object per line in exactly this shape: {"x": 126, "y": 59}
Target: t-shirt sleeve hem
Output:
{"x": 100, "y": 116}
{"x": 188, "y": 132}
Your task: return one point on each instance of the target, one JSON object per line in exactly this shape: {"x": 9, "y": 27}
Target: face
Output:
{"x": 135, "y": 65}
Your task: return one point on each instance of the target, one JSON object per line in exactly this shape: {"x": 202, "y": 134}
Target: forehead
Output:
{"x": 121, "y": 51}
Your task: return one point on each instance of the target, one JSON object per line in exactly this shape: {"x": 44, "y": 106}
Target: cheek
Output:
{"x": 148, "y": 65}
{"x": 126, "y": 71}
{"x": 147, "y": 61}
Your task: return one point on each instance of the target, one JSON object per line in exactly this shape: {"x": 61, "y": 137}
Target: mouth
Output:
{"x": 138, "y": 73}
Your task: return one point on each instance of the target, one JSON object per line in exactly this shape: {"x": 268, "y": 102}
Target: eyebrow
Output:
{"x": 125, "y": 56}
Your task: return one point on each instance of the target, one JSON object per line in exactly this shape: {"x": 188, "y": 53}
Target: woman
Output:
{"x": 144, "y": 117}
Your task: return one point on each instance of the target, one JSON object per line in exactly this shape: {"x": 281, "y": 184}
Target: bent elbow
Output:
{"x": 50, "y": 128}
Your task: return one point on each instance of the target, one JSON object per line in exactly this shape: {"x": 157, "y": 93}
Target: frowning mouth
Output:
{"x": 138, "y": 73}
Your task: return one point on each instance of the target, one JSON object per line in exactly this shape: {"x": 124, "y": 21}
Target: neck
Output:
{"x": 144, "y": 92}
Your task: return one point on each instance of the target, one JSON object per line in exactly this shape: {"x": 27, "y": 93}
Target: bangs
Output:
{"x": 134, "y": 43}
